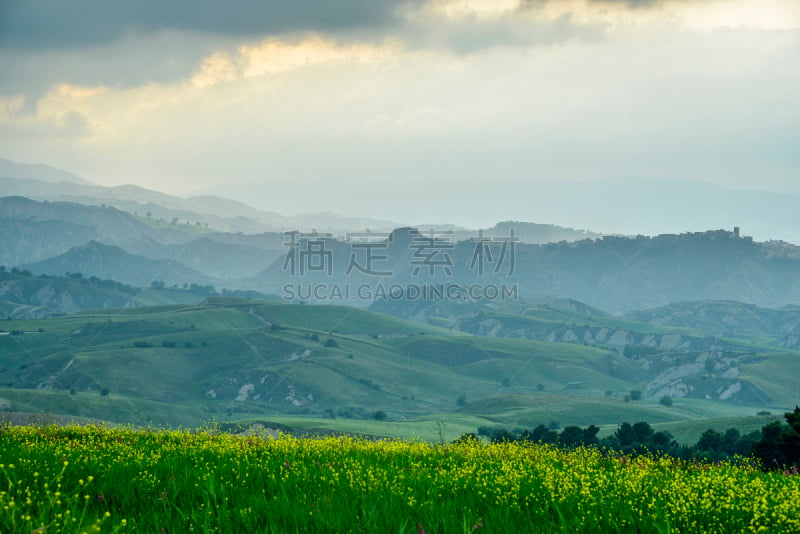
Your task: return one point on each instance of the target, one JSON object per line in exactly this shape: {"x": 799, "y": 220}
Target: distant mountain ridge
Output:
{"x": 628, "y": 205}
{"x": 607, "y": 205}
{"x": 109, "y": 261}
{"x": 617, "y": 274}
{"x": 32, "y": 232}
{"x": 39, "y": 172}
{"x": 220, "y": 213}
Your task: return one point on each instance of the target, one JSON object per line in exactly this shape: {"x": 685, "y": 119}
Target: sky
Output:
{"x": 412, "y": 110}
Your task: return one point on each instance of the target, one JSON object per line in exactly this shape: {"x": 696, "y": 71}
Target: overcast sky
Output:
{"x": 311, "y": 104}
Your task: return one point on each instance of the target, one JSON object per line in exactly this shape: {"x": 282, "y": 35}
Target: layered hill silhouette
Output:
{"x": 107, "y": 261}
{"x": 617, "y": 274}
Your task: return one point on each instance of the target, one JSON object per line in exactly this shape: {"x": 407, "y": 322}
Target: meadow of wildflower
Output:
{"x": 97, "y": 479}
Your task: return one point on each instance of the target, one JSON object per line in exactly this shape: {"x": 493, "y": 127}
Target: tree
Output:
{"x": 636, "y": 394}
{"x": 768, "y": 448}
{"x": 503, "y": 436}
{"x": 662, "y": 440}
{"x": 790, "y": 437}
{"x": 541, "y": 434}
{"x": 625, "y": 435}
{"x": 780, "y": 444}
{"x": 571, "y": 436}
{"x": 461, "y": 401}
{"x": 590, "y": 435}
{"x": 710, "y": 441}
{"x": 380, "y": 415}
{"x": 666, "y": 400}
{"x": 643, "y": 432}
{"x": 730, "y": 441}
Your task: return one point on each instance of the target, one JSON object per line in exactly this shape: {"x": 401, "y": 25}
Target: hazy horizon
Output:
{"x": 612, "y": 206}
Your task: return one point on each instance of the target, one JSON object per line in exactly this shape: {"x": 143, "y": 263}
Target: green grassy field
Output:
{"x": 158, "y": 297}
{"x": 777, "y": 372}
{"x": 93, "y": 479}
{"x": 230, "y": 359}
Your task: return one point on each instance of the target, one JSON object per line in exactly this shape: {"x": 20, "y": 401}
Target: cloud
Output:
{"x": 44, "y": 24}
{"x": 634, "y": 4}
{"x": 131, "y": 44}
{"x": 451, "y": 90}
{"x": 480, "y": 33}
{"x": 31, "y": 25}
{"x": 225, "y": 81}
{"x": 74, "y": 123}
{"x": 52, "y": 125}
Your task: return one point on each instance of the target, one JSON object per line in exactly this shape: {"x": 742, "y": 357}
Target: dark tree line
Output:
{"x": 779, "y": 446}
{"x": 776, "y": 446}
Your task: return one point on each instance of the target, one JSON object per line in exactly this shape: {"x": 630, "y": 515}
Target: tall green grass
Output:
{"x": 84, "y": 479}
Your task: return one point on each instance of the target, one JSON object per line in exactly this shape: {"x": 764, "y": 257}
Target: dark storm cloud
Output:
{"x": 129, "y": 43}
{"x": 48, "y": 24}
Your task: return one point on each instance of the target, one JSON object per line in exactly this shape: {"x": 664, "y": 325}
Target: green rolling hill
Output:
{"x": 333, "y": 367}
{"x": 24, "y": 295}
